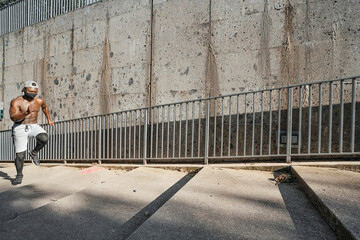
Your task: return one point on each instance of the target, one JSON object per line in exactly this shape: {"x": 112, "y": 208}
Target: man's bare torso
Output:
{"x": 32, "y": 106}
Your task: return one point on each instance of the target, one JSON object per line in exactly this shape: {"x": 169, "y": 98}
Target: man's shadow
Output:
{"x": 6, "y": 176}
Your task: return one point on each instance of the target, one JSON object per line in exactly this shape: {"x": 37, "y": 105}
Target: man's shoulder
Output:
{"x": 40, "y": 100}
{"x": 17, "y": 99}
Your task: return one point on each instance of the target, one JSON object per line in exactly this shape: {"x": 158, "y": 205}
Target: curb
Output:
{"x": 330, "y": 218}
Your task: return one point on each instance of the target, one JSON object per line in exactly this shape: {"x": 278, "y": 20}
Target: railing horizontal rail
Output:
{"x": 312, "y": 119}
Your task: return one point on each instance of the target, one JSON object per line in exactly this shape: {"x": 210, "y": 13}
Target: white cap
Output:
{"x": 31, "y": 84}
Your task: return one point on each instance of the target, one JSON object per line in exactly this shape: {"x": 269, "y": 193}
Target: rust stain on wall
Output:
{"x": 151, "y": 86}
{"x": 264, "y": 44}
{"x": 307, "y": 47}
{"x": 211, "y": 74}
{"x": 43, "y": 82}
{"x": 288, "y": 61}
{"x": 105, "y": 76}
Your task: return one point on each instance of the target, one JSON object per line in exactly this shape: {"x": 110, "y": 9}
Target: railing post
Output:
{"x": 99, "y": 139}
{"x": 353, "y": 109}
{"x": 64, "y": 132}
{"x": 289, "y": 126}
{"x": 207, "y": 129}
{"x": 145, "y": 135}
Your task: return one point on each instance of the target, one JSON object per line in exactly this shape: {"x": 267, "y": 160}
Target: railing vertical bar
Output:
{"x": 78, "y": 147}
{"x": 300, "y": 119}
{"x": 229, "y": 137}
{"x": 72, "y": 141}
{"x": 62, "y": 144}
{"x": 88, "y": 138}
{"x": 180, "y": 120}
{"x": 145, "y": 135}
{"x": 151, "y": 132}
{"x": 207, "y": 132}
{"x": 134, "y": 146}
{"x": 309, "y": 118}
{"x": 193, "y": 129}
{"x": 83, "y": 138}
{"x": 262, "y": 123}
{"x": 100, "y": 143}
{"x": 222, "y": 127}
{"x": 130, "y": 132}
{"x": 330, "y": 115}
{"x": 270, "y": 121}
{"x": 65, "y": 142}
{"x": 125, "y": 132}
{"x": 112, "y": 137}
{"x": 253, "y": 128}
{"x": 320, "y": 118}
{"x": 168, "y": 132}
{"x": 57, "y": 140}
{"x": 82, "y": 135}
{"x": 92, "y": 141}
{"x": 215, "y": 126}
{"x": 353, "y": 106}
{"x": 116, "y": 119}
{"x": 341, "y": 116}
{"x": 245, "y": 122}
{"x": 157, "y": 133}
{"x": 95, "y": 121}
{"x": 237, "y": 126}
{"x": 279, "y": 122}
{"x": 199, "y": 128}
{"x": 186, "y": 129}
{"x": 162, "y": 130}
{"x": 139, "y": 139}
{"x": 289, "y": 126}
{"x": 121, "y": 135}
{"x": 174, "y": 129}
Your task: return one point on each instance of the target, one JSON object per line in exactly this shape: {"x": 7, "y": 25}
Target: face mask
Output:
{"x": 30, "y": 95}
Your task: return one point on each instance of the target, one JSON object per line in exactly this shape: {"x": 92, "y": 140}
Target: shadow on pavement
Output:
{"x": 6, "y": 176}
{"x": 136, "y": 221}
{"x": 305, "y": 217}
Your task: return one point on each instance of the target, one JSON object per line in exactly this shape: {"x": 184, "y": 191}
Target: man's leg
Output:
{"x": 20, "y": 138}
{"x": 19, "y": 163}
{"x": 41, "y": 141}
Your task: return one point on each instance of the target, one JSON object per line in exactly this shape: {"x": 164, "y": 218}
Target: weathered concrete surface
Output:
{"x": 118, "y": 55}
{"x": 31, "y": 174}
{"x": 225, "y": 203}
{"x": 47, "y": 188}
{"x": 336, "y": 193}
{"x": 106, "y": 210}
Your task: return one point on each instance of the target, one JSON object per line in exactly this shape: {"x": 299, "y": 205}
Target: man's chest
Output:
{"x": 34, "y": 106}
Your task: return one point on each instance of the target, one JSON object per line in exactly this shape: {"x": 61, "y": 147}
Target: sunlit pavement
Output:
{"x": 181, "y": 202}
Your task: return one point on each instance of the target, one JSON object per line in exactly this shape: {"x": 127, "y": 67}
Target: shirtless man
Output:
{"x": 24, "y": 113}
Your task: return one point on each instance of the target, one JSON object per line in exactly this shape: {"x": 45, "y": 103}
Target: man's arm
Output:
{"x": 15, "y": 114}
{"x": 45, "y": 110}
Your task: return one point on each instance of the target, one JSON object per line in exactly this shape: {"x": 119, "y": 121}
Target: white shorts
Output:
{"x": 21, "y": 133}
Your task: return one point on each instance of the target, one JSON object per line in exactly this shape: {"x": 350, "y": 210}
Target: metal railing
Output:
{"x": 313, "y": 119}
{"x": 27, "y": 12}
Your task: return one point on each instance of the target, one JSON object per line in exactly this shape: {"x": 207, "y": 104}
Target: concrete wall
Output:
{"x": 125, "y": 54}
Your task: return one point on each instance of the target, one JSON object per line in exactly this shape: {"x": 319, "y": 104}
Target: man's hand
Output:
{"x": 51, "y": 123}
{"x": 29, "y": 110}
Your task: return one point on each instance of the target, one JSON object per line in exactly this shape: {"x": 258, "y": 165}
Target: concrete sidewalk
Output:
{"x": 235, "y": 204}
{"x": 45, "y": 185}
{"x": 106, "y": 210}
{"x": 336, "y": 194}
{"x": 154, "y": 203}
